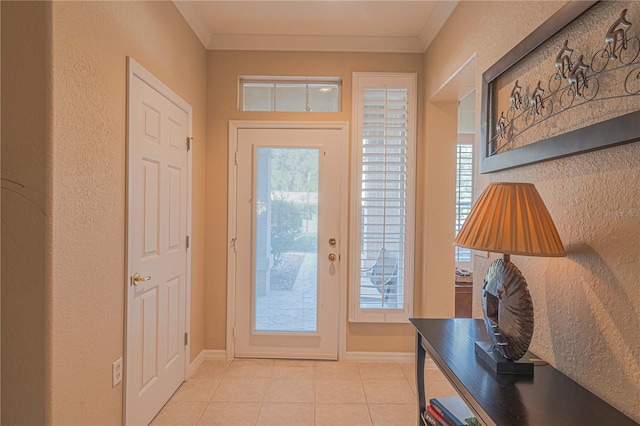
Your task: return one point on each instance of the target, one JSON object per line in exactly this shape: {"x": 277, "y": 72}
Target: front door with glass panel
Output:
{"x": 288, "y": 245}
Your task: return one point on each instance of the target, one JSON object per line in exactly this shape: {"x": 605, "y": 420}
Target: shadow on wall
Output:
{"x": 601, "y": 323}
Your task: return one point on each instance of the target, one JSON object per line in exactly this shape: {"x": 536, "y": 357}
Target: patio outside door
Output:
{"x": 288, "y": 243}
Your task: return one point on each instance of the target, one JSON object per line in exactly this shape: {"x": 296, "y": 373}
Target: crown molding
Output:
{"x": 195, "y": 21}
{"x": 434, "y": 23}
{"x": 314, "y": 43}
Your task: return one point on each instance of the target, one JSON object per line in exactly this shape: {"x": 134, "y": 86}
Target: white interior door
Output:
{"x": 157, "y": 216}
{"x": 288, "y": 241}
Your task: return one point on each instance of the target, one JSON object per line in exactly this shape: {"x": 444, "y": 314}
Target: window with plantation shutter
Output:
{"x": 464, "y": 193}
{"x": 383, "y": 211}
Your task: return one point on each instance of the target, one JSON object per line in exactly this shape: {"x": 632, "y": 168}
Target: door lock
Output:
{"x": 332, "y": 242}
{"x": 332, "y": 256}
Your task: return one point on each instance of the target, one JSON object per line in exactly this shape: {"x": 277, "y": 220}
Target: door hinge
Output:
{"x": 233, "y": 243}
{"x": 234, "y": 332}
{"x": 236, "y": 157}
{"x": 189, "y": 140}
{"x": 188, "y": 241}
{"x": 186, "y": 339}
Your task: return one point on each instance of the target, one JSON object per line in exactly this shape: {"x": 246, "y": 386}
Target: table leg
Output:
{"x": 420, "y": 355}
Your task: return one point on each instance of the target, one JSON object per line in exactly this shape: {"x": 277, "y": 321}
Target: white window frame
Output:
{"x": 382, "y": 80}
{"x": 288, "y": 80}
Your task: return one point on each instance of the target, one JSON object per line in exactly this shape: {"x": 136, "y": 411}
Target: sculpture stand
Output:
{"x": 499, "y": 364}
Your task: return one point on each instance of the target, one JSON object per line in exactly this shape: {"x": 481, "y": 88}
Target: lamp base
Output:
{"x": 508, "y": 309}
{"x": 499, "y": 364}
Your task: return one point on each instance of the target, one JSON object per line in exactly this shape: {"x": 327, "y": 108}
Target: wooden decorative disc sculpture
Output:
{"x": 508, "y": 309}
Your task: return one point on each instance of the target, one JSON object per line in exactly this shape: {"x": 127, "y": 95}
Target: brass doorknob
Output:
{"x": 332, "y": 256}
{"x": 136, "y": 278}
{"x": 332, "y": 242}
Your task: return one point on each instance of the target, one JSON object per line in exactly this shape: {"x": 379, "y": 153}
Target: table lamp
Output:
{"x": 508, "y": 218}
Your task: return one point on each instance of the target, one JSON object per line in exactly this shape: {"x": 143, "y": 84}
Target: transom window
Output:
{"x": 290, "y": 94}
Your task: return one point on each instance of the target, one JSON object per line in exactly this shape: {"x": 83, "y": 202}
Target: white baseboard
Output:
{"x": 204, "y": 355}
{"x": 214, "y": 354}
{"x": 196, "y": 363}
{"x": 386, "y": 357}
{"x": 380, "y": 356}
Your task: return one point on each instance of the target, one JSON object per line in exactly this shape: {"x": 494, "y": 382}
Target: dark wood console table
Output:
{"x": 547, "y": 398}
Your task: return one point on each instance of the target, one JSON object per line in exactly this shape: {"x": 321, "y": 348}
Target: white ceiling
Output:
{"x": 317, "y": 25}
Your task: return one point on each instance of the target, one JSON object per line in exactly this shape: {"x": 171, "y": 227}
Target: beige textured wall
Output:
{"x": 224, "y": 67}
{"x": 77, "y": 253}
{"x": 439, "y": 187}
{"x": 90, "y": 44}
{"x": 25, "y": 143}
{"x": 587, "y": 308}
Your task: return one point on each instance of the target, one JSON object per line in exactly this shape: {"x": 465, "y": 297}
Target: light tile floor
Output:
{"x": 293, "y": 393}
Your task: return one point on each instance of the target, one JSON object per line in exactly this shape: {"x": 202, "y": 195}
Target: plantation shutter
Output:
{"x": 464, "y": 193}
{"x": 384, "y": 183}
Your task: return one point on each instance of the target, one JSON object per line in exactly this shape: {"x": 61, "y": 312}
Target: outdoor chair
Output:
{"x": 384, "y": 275}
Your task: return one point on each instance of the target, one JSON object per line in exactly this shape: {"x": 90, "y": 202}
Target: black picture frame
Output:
{"x": 616, "y": 131}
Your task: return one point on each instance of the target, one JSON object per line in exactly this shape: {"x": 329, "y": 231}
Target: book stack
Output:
{"x": 449, "y": 411}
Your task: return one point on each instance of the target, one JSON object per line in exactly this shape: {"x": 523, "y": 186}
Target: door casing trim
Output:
{"x": 134, "y": 69}
{"x": 234, "y": 127}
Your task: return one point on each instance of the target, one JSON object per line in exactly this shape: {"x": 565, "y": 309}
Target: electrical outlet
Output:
{"x": 116, "y": 371}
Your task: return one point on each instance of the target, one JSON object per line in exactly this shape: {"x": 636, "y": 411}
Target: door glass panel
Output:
{"x": 286, "y": 240}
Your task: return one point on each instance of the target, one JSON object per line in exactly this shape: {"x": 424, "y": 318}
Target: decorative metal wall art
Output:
{"x": 572, "y": 86}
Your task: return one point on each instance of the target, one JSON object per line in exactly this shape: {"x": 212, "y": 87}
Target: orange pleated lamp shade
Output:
{"x": 510, "y": 218}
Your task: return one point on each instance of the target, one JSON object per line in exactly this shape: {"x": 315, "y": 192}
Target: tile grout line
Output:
{"x": 264, "y": 392}
{"x": 366, "y": 398}
{"x": 271, "y": 374}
